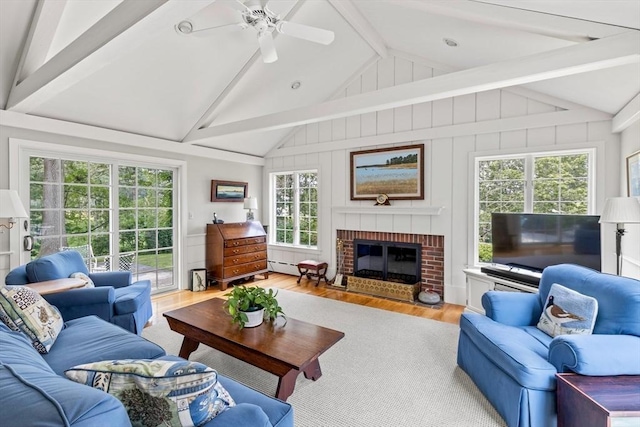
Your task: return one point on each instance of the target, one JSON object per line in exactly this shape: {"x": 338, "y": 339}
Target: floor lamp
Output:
{"x": 620, "y": 211}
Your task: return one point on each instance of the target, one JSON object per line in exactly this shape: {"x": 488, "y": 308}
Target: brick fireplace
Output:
{"x": 432, "y": 253}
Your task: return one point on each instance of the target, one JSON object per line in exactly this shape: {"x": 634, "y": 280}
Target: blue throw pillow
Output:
{"x": 158, "y": 392}
{"x": 568, "y": 312}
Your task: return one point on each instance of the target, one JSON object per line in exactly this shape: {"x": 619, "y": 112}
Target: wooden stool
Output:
{"x": 312, "y": 268}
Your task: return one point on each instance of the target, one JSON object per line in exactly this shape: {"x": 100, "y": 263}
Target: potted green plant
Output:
{"x": 249, "y": 306}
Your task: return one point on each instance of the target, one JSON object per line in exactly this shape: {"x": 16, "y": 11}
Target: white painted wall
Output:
{"x": 630, "y": 143}
{"x": 200, "y": 172}
{"x": 452, "y": 131}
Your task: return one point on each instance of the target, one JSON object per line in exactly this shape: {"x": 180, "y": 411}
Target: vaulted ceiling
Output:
{"x": 121, "y": 64}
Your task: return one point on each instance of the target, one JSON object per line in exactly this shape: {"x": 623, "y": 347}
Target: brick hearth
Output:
{"x": 432, "y": 269}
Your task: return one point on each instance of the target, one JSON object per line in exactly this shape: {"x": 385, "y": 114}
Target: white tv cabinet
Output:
{"x": 478, "y": 283}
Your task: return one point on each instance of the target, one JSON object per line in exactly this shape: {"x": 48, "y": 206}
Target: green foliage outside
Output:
{"x": 307, "y": 194}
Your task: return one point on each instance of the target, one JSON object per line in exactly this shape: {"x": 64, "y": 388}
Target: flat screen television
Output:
{"x": 536, "y": 241}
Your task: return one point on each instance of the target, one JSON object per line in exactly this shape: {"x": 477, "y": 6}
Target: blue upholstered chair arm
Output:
{"x": 117, "y": 279}
{"x": 77, "y": 303}
{"x": 512, "y": 308}
{"x": 596, "y": 355}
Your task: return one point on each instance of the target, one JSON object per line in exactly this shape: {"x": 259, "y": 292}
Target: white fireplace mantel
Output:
{"x": 388, "y": 210}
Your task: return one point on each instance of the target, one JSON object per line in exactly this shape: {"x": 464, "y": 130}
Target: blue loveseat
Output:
{"x": 115, "y": 298}
{"x": 514, "y": 364}
{"x": 35, "y": 392}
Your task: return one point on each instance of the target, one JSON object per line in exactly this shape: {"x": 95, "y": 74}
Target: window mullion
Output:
{"x": 296, "y": 209}
{"x": 528, "y": 184}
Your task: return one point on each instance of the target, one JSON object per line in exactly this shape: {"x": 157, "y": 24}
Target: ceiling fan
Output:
{"x": 264, "y": 22}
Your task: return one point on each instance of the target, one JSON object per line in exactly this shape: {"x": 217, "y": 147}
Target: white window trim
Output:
{"x": 20, "y": 150}
{"x": 597, "y": 166}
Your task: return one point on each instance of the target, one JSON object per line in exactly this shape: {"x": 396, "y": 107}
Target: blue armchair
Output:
{"x": 115, "y": 298}
{"x": 514, "y": 363}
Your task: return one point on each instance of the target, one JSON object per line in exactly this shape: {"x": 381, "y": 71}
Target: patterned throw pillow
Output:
{"x": 568, "y": 312}
{"x": 24, "y": 310}
{"x": 158, "y": 392}
{"x": 82, "y": 276}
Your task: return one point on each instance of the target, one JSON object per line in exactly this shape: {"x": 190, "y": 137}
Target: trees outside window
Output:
{"x": 535, "y": 183}
{"x": 295, "y": 213}
{"x": 119, "y": 212}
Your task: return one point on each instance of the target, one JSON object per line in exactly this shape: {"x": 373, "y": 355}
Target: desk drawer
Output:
{"x": 233, "y": 243}
{"x": 239, "y": 250}
{"x": 238, "y": 270}
{"x": 244, "y": 258}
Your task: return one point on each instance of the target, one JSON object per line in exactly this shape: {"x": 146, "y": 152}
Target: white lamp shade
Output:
{"x": 621, "y": 210}
{"x": 251, "y": 203}
{"x": 10, "y": 205}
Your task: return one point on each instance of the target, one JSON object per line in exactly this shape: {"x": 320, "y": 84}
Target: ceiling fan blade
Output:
{"x": 267, "y": 48}
{"x": 206, "y": 32}
{"x": 312, "y": 34}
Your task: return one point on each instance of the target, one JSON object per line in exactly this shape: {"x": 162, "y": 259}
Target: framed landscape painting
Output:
{"x": 228, "y": 191}
{"x": 397, "y": 172}
{"x": 633, "y": 174}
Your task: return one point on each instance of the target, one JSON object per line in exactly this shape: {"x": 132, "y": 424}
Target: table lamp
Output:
{"x": 250, "y": 203}
{"x": 620, "y": 211}
{"x": 11, "y": 207}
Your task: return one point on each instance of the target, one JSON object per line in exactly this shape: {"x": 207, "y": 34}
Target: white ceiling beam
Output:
{"x": 533, "y": 121}
{"x": 78, "y": 130}
{"x": 352, "y": 15}
{"x": 99, "y": 46}
{"x": 559, "y": 27}
{"x": 627, "y": 116}
{"x": 43, "y": 28}
{"x": 596, "y": 55}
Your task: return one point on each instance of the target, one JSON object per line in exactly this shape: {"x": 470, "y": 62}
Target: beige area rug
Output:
{"x": 390, "y": 369}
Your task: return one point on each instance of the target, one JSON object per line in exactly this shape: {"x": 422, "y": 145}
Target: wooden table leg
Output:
{"x": 313, "y": 371}
{"x": 286, "y": 384}
{"x": 188, "y": 347}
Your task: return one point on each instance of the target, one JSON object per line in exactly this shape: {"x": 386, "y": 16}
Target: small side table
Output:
{"x": 585, "y": 401}
{"x": 58, "y": 285}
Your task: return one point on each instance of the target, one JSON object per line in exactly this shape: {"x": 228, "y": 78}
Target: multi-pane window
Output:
{"x": 118, "y": 217}
{"x": 534, "y": 183}
{"x": 295, "y": 204}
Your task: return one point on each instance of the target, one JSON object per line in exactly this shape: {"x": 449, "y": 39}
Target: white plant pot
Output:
{"x": 255, "y": 318}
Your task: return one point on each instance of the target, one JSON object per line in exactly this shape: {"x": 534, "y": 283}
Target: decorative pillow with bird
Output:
{"x": 568, "y": 312}
{"x": 158, "y": 392}
{"x": 23, "y": 309}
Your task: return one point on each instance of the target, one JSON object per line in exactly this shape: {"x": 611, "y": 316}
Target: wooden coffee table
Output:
{"x": 282, "y": 349}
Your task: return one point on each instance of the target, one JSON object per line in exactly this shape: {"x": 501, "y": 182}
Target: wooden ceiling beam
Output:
{"x": 596, "y": 55}
{"x": 99, "y": 46}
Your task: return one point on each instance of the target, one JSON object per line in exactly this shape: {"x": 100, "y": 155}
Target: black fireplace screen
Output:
{"x": 390, "y": 261}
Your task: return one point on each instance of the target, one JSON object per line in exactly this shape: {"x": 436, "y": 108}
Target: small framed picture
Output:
{"x": 228, "y": 191}
{"x": 633, "y": 174}
{"x": 198, "y": 279}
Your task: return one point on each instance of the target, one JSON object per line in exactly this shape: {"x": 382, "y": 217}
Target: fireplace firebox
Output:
{"x": 388, "y": 261}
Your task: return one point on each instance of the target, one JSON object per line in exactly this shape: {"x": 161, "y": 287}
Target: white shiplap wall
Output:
{"x": 453, "y": 130}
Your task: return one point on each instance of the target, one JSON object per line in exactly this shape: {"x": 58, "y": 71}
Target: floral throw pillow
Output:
{"x": 568, "y": 312}
{"x": 82, "y": 276}
{"x": 158, "y": 392}
{"x": 24, "y": 310}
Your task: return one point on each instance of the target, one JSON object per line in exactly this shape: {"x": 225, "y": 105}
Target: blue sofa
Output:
{"x": 35, "y": 392}
{"x": 514, "y": 364}
{"x": 115, "y": 298}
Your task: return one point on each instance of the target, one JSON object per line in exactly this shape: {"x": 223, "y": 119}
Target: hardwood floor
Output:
{"x": 449, "y": 313}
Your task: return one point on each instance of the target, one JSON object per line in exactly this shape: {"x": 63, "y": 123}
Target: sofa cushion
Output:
{"x": 90, "y": 339}
{"x": 515, "y": 351}
{"x": 55, "y": 266}
{"x": 172, "y": 393}
{"x": 132, "y": 297}
{"x": 32, "y": 394}
{"x": 80, "y": 275}
{"x": 32, "y": 315}
{"x": 568, "y": 312}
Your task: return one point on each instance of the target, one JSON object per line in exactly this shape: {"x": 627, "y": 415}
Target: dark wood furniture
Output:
{"x": 57, "y": 285}
{"x": 235, "y": 251}
{"x": 283, "y": 349}
{"x": 584, "y": 401}
{"x": 312, "y": 268}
